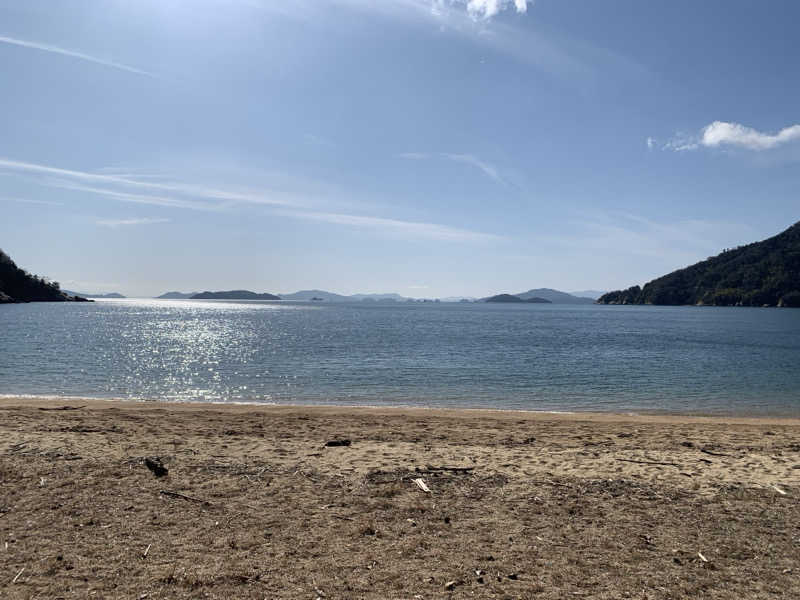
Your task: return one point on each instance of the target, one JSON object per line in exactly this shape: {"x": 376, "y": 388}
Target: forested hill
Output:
{"x": 17, "y": 285}
{"x": 764, "y": 273}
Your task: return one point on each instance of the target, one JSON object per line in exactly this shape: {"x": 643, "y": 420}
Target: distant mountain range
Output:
{"x": 554, "y": 296}
{"x": 511, "y": 299}
{"x": 110, "y": 295}
{"x": 176, "y": 295}
{"x": 765, "y": 273}
{"x": 234, "y": 295}
{"x": 308, "y": 295}
{"x": 550, "y": 295}
{"x": 591, "y": 294}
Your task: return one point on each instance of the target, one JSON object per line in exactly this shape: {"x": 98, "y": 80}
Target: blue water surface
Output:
{"x": 535, "y": 357}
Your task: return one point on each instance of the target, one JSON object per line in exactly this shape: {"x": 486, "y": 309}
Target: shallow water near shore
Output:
{"x": 531, "y": 357}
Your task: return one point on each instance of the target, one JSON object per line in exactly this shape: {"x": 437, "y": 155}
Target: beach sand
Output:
{"x": 521, "y": 504}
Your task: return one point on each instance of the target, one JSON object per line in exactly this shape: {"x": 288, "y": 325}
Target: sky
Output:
{"x": 425, "y": 147}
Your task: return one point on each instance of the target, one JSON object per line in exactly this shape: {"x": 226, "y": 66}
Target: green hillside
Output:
{"x": 765, "y": 273}
{"x": 17, "y": 285}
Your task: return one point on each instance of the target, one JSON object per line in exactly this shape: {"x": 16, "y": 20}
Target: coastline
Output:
{"x": 443, "y": 411}
{"x": 257, "y": 504}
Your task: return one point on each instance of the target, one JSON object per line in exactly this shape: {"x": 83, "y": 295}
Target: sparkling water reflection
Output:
{"x": 541, "y": 357}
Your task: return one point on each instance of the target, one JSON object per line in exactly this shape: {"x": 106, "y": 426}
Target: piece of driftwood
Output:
{"x": 61, "y": 407}
{"x": 156, "y": 466}
{"x": 420, "y": 483}
{"x": 334, "y": 443}
{"x": 712, "y": 453}
{"x": 703, "y": 558}
{"x": 649, "y": 462}
{"x": 777, "y": 489}
{"x": 432, "y": 469}
{"x": 184, "y": 497}
{"x": 146, "y": 551}
{"x": 17, "y": 576}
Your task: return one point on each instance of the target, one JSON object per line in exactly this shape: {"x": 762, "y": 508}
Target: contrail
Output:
{"x": 80, "y": 55}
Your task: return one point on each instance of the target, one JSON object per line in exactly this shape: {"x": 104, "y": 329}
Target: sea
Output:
{"x": 551, "y": 357}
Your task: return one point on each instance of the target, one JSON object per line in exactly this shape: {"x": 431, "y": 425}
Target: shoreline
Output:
{"x": 8, "y": 400}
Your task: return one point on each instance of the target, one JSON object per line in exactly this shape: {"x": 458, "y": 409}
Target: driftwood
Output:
{"x": 432, "y": 469}
{"x": 156, "y": 466}
{"x": 183, "y": 497}
{"x": 777, "y": 489}
{"x": 712, "y": 453}
{"x": 334, "y": 443}
{"x": 61, "y": 407}
{"x": 650, "y": 462}
{"x": 420, "y": 483}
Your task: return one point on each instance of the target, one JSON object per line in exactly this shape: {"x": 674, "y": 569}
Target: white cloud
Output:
{"x": 468, "y": 159}
{"x": 405, "y": 228}
{"x": 127, "y": 222}
{"x": 73, "y": 54}
{"x": 486, "y": 9}
{"x": 734, "y": 134}
{"x": 722, "y": 133}
{"x": 651, "y": 142}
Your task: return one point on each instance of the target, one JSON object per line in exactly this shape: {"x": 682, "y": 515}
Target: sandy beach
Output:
{"x": 257, "y": 503}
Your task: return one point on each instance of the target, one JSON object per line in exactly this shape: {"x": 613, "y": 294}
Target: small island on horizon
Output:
{"x": 511, "y": 299}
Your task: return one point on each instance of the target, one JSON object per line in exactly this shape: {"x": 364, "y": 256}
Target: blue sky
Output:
{"x": 425, "y": 147}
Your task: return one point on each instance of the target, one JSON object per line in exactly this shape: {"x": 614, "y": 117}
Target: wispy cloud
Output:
{"x": 199, "y": 197}
{"x": 72, "y": 53}
{"x": 31, "y": 201}
{"x": 128, "y": 222}
{"x": 468, "y": 159}
{"x": 411, "y": 229}
{"x": 150, "y": 199}
{"x": 722, "y": 133}
{"x": 188, "y": 189}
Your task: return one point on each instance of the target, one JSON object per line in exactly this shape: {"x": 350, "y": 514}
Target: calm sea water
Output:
{"x": 537, "y": 357}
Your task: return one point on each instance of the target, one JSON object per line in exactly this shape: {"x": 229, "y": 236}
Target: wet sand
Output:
{"x": 521, "y": 504}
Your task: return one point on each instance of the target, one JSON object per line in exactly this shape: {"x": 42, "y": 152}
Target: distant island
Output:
{"x": 234, "y": 295}
{"x": 318, "y": 295}
{"x": 17, "y": 285}
{"x": 109, "y": 295}
{"x": 176, "y": 295}
{"x": 555, "y": 296}
{"x": 509, "y": 298}
{"x": 765, "y": 273}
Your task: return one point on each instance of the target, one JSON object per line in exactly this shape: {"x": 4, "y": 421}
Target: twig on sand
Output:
{"x": 420, "y": 483}
{"x": 650, "y": 462}
{"x": 712, "y": 453}
{"x": 777, "y": 489}
{"x": 61, "y": 407}
{"x": 17, "y": 576}
{"x": 184, "y": 497}
{"x": 146, "y": 551}
{"x": 432, "y": 469}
